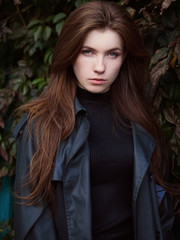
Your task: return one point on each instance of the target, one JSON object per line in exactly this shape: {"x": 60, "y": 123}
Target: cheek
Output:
{"x": 79, "y": 71}
{"x": 78, "y": 65}
{"x": 115, "y": 69}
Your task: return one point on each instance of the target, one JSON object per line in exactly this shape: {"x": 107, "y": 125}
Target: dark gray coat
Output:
{"x": 72, "y": 181}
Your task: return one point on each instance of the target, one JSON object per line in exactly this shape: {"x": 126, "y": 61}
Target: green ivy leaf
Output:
{"x": 37, "y": 81}
{"x": 59, "y": 17}
{"x": 59, "y": 27}
{"x": 48, "y": 56}
{"x": 49, "y": 19}
{"x": 34, "y": 22}
{"x": 37, "y": 33}
{"x": 33, "y": 49}
{"x": 41, "y": 85}
{"x": 25, "y": 90}
{"x": 46, "y": 33}
{"x": 40, "y": 82}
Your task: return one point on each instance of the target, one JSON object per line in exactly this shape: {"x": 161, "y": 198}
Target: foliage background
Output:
{"x": 28, "y": 34}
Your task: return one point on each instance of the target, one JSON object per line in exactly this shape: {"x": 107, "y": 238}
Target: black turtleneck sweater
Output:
{"x": 111, "y": 161}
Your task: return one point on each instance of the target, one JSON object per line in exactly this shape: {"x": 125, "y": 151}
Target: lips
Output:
{"x": 97, "y": 80}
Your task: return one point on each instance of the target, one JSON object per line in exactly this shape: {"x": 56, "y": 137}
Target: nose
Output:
{"x": 99, "y": 64}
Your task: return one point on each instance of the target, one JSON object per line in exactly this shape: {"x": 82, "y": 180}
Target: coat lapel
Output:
{"x": 144, "y": 145}
{"x": 70, "y": 146}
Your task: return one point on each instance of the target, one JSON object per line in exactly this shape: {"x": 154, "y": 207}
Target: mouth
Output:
{"x": 97, "y": 80}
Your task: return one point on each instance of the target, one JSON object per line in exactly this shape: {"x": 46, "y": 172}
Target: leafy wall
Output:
{"x": 28, "y": 33}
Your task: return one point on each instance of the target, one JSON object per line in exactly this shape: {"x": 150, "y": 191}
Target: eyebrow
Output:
{"x": 109, "y": 50}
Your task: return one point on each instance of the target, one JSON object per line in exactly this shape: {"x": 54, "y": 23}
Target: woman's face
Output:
{"x": 99, "y": 61}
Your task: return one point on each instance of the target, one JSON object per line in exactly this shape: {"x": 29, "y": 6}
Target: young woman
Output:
{"x": 90, "y": 158}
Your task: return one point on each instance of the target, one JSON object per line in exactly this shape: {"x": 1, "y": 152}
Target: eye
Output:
{"x": 114, "y": 54}
{"x": 87, "y": 52}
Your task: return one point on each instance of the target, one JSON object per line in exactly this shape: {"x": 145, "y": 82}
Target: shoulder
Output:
{"x": 20, "y": 126}
{"x": 25, "y": 129}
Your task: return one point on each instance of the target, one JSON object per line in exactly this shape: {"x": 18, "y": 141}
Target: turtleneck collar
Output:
{"x": 86, "y": 96}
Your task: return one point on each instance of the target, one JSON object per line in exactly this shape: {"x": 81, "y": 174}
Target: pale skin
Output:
{"x": 99, "y": 61}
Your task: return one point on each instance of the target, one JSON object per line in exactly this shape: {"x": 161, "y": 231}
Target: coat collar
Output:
{"x": 78, "y": 107}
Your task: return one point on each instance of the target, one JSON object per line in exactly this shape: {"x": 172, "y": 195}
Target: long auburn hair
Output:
{"x": 53, "y": 110}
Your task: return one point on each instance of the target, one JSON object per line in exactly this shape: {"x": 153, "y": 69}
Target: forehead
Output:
{"x": 103, "y": 39}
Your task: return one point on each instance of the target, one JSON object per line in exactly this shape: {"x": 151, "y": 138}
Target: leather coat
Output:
{"x": 71, "y": 176}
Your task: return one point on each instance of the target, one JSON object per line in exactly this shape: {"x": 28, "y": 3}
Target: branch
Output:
{"x": 20, "y": 15}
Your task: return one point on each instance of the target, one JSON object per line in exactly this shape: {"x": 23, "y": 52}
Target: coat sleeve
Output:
{"x": 166, "y": 211}
{"x": 30, "y": 222}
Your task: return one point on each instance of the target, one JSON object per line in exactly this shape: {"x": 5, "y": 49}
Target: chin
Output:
{"x": 97, "y": 89}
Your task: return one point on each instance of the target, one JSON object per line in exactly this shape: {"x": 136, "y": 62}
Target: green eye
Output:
{"x": 113, "y": 54}
{"x": 87, "y": 52}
